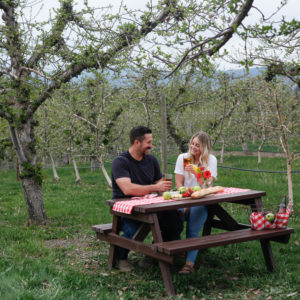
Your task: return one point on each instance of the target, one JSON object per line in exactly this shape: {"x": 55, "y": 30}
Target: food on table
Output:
{"x": 177, "y": 196}
{"x": 207, "y": 191}
{"x": 186, "y": 194}
{"x": 270, "y": 217}
{"x": 167, "y": 195}
{"x": 196, "y": 188}
{"x": 182, "y": 189}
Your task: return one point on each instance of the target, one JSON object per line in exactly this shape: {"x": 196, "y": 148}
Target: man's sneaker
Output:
{"x": 124, "y": 265}
{"x": 146, "y": 262}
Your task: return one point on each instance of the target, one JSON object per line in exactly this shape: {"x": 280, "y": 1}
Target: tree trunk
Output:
{"x": 104, "y": 170}
{"x": 163, "y": 133}
{"x": 34, "y": 200}
{"x": 95, "y": 165}
{"x": 78, "y": 180}
{"x": 290, "y": 184}
{"x": 30, "y": 172}
{"x": 245, "y": 146}
{"x": 222, "y": 152}
{"x": 53, "y": 168}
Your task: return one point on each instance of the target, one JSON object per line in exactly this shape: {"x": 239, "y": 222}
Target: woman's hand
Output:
{"x": 189, "y": 168}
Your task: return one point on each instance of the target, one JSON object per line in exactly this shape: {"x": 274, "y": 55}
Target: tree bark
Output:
{"x": 222, "y": 152}
{"x": 34, "y": 200}
{"x": 163, "y": 133}
{"x": 104, "y": 170}
{"x": 56, "y": 177}
{"x": 23, "y": 140}
{"x": 78, "y": 180}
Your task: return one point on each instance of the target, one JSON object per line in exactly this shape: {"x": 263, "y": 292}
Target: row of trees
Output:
{"x": 38, "y": 60}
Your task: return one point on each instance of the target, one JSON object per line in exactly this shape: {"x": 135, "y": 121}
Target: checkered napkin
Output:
{"x": 127, "y": 206}
{"x": 259, "y": 222}
{"x": 231, "y": 190}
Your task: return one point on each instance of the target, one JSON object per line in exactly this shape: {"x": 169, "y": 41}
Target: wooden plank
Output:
{"x": 112, "y": 256}
{"x": 225, "y": 238}
{"x": 103, "y": 228}
{"x": 149, "y": 250}
{"x": 268, "y": 254}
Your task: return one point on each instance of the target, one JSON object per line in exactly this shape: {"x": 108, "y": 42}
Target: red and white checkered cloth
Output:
{"x": 127, "y": 206}
{"x": 259, "y": 222}
{"x": 231, "y": 190}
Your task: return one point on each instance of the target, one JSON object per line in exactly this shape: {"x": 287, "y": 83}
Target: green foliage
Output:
{"x": 32, "y": 171}
{"x": 64, "y": 260}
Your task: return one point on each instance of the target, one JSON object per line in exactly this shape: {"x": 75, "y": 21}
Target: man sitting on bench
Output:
{"x": 137, "y": 173}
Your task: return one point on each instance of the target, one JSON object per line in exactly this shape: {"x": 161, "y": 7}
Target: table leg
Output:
{"x": 268, "y": 254}
{"x": 208, "y": 224}
{"x": 257, "y": 206}
{"x": 164, "y": 267}
{"x": 112, "y": 256}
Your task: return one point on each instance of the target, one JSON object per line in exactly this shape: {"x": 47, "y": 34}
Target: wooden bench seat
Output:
{"x": 103, "y": 228}
{"x": 224, "y": 238}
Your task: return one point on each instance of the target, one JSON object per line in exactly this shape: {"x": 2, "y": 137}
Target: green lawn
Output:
{"x": 63, "y": 260}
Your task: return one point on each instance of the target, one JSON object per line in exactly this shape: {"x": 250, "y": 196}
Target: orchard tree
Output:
{"x": 37, "y": 58}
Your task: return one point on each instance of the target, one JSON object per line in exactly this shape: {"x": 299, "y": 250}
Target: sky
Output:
{"x": 291, "y": 10}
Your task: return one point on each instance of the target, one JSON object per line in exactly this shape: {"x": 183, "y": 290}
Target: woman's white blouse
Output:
{"x": 189, "y": 178}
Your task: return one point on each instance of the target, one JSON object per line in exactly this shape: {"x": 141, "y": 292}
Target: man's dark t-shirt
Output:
{"x": 144, "y": 172}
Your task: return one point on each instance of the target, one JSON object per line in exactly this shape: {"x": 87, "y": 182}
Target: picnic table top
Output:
{"x": 241, "y": 197}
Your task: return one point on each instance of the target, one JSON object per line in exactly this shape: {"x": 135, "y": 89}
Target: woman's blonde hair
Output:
{"x": 205, "y": 148}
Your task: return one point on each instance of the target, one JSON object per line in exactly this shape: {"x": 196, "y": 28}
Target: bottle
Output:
{"x": 282, "y": 206}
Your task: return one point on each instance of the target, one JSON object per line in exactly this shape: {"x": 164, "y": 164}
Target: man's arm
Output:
{"x": 133, "y": 189}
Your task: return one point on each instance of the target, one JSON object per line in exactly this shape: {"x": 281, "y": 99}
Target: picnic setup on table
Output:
{"x": 265, "y": 227}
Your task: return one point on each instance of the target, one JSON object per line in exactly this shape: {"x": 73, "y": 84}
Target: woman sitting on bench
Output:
{"x": 199, "y": 155}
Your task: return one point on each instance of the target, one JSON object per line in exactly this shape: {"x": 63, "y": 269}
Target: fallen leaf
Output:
{"x": 292, "y": 294}
{"x": 269, "y": 298}
{"x": 296, "y": 243}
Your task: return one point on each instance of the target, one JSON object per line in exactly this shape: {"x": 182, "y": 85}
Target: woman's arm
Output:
{"x": 179, "y": 180}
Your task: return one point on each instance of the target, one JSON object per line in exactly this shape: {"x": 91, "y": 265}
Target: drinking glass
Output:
{"x": 167, "y": 177}
{"x": 187, "y": 161}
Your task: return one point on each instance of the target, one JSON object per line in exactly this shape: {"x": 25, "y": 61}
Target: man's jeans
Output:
{"x": 170, "y": 224}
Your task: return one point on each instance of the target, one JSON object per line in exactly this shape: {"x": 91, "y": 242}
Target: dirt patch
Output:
{"x": 82, "y": 252}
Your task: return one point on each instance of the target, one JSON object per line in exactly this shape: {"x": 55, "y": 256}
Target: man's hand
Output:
{"x": 162, "y": 186}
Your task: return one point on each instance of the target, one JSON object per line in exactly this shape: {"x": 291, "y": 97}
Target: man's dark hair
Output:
{"x": 138, "y": 133}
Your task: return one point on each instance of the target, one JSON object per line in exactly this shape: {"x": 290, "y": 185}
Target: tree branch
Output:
{"x": 65, "y": 14}
{"x": 88, "y": 61}
{"x": 225, "y": 36}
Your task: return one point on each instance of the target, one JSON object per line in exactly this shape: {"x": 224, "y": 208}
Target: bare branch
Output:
{"x": 35, "y": 71}
{"x": 225, "y": 35}
{"x": 65, "y": 15}
{"x": 85, "y": 120}
{"x": 103, "y": 59}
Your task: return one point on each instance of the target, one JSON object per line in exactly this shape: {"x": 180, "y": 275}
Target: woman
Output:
{"x": 199, "y": 152}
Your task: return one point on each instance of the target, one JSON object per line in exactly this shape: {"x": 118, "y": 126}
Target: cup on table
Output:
{"x": 167, "y": 177}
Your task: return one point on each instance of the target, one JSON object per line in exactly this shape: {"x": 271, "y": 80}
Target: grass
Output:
{"x": 63, "y": 260}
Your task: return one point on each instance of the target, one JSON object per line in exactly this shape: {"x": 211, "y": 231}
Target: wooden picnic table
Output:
{"x": 165, "y": 252}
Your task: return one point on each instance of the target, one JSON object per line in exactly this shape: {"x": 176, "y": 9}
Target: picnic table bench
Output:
{"x": 218, "y": 217}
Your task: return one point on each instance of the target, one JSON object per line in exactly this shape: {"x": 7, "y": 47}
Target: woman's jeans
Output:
{"x": 197, "y": 218}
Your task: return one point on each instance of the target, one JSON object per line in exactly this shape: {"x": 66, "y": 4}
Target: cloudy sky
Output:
{"x": 267, "y": 7}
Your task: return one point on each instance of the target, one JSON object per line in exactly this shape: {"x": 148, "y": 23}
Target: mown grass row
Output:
{"x": 63, "y": 260}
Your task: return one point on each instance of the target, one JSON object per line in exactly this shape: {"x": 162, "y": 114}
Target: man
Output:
{"x": 137, "y": 173}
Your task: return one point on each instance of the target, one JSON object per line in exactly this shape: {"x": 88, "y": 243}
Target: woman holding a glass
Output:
{"x": 185, "y": 175}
